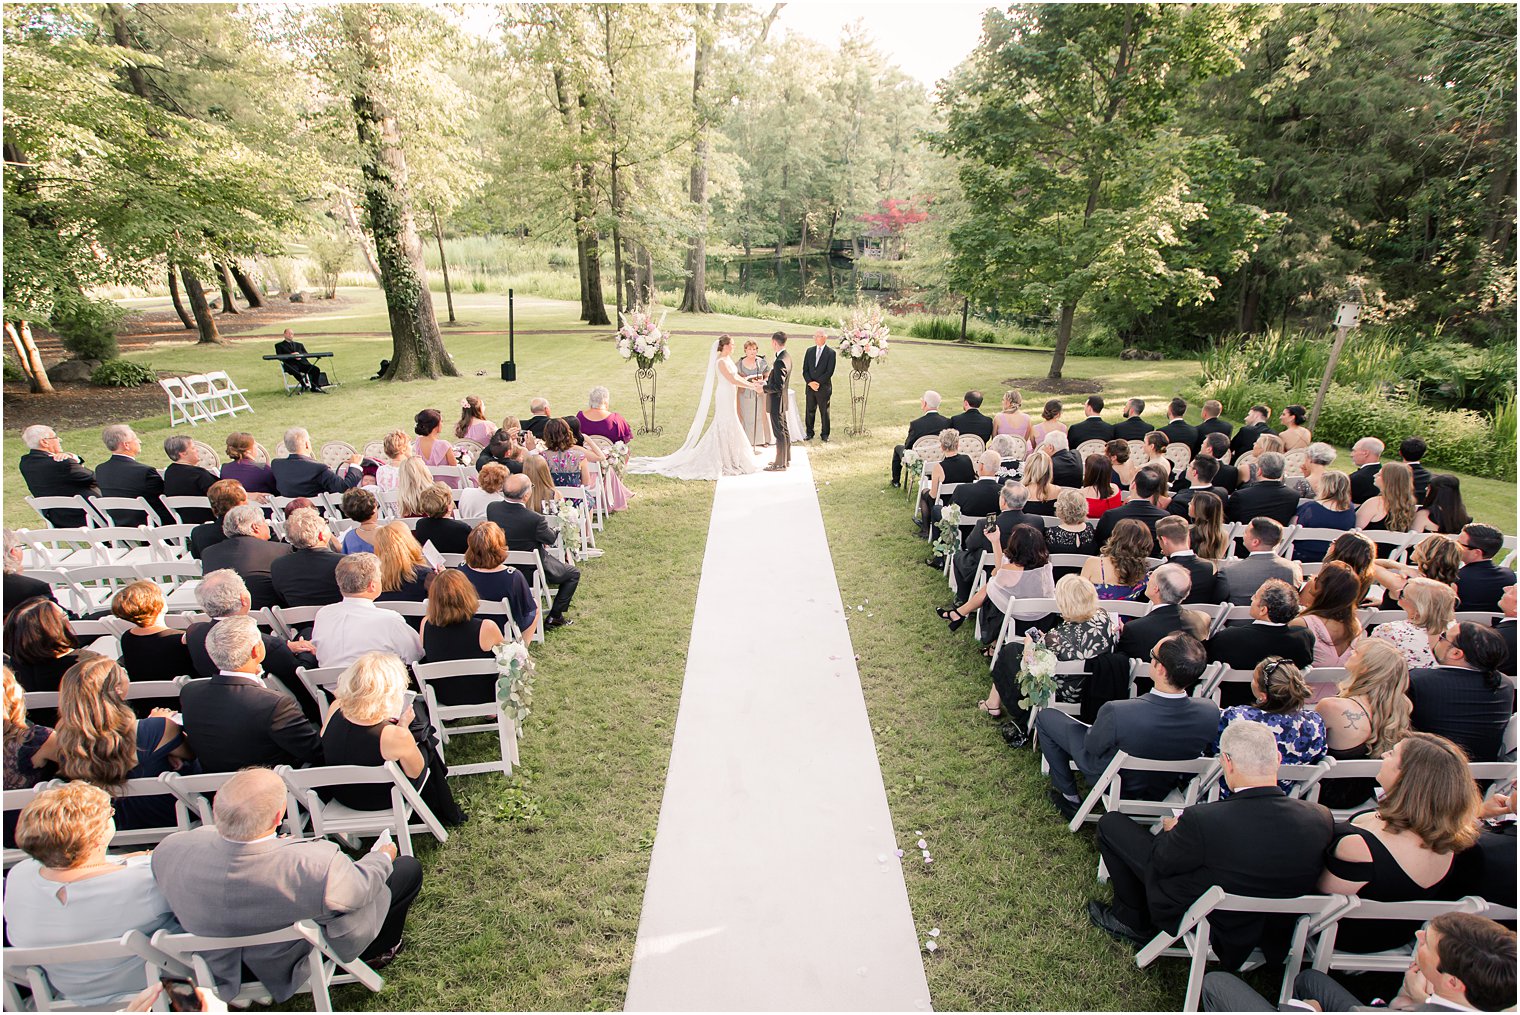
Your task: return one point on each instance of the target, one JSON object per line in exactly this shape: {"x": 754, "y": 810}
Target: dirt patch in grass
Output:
{"x": 81, "y": 404}
{"x": 1064, "y": 386}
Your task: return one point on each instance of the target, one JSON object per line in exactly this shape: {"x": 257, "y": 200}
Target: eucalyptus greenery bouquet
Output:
{"x": 913, "y": 466}
{"x": 514, "y": 682}
{"x": 1037, "y": 677}
{"x": 948, "y": 538}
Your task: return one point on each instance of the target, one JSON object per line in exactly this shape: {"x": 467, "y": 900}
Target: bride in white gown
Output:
{"x": 724, "y": 450}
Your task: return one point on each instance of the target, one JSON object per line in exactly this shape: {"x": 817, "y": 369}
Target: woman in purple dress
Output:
{"x": 255, "y": 478}
{"x": 600, "y": 421}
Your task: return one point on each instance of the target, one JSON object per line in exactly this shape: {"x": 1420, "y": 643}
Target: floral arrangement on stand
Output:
{"x": 642, "y": 339}
{"x": 617, "y": 458}
{"x": 948, "y": 539}
{"x": 1037, "y": 676}
{"x": 514, "y": 682}
{"x": 863, "y": 337}
{"x": 567, "y": 516}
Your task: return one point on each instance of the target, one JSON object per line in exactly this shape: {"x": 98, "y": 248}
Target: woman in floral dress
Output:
{"x": 1281, "y": 694}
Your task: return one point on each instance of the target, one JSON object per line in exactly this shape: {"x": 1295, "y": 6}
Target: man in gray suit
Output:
{"x": 1239, "y": 579}
{"x": 240, "y": 878}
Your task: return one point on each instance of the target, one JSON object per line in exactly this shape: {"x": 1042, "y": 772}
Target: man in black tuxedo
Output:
{"x": 1366, "y": 454}
{"x": 1255, "y": 425}
{"x": 1255, "y": 842}
{"x": 1480, "y": 582}
{"x": 526, "y": 530}
{"x": 1174, "y": 535}
{"x": 305, "y": 371}
{"x": 185, "y": 478}
{"x": 1242, "y": 646}
{"x": 1268, "y": 497}
{"x": 1011, "y": 499}
{"x": 1214, "y": 447}
{"x": 1167, "y": 724}
{"x": 1092, "y": 426}
{"x": 307, "y": 576}
{"x": 927, "y": 425}
{"x": 1211, "y": 421}
{"x": 50, "y": 471}
{"x": 818, "y": 375}
{"x": 1166, "y": 589}
{"x": 538, "y": 417}
{"x": 300, "y": 475}
{"x": 222, "y": 594}
{"x": 1132, "y": 427}
{"x": 1200, "y": 476}
{"x": 777, "y": 380}
{"x": 971, "y": 420}
{"x": 1411, "y": 450}
{"x": 1147, "y": 492}
{"x": 122, "y": 475}
{"x": 1506, "y": 629}
{"x": 234, "y": 720}
{"x": 979, "y": 498}
{"x": 1463, "y": 698}
{"x": 1179, "y": 430}
{"x": 1065, "y": 464}
{"x": 248, "y": 551}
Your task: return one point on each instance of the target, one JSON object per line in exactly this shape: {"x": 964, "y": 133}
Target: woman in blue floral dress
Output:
{"x": 1281, "y": 693}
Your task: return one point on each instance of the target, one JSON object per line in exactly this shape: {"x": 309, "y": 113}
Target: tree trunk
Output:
{"x": 179, "y": 306}
{"x": 443, "y": 262}
{"x": 245, "y": 282}
{"x": 694, "y": 298}
{"x": 587, "y": 252}
{"x": 20, "y": 335}
{"x": 355, "y": 229}
{"x": 224, "y": 280}
{"x": 595, "y": 308}
{"x": 202, "y": 310}
{"x": 828, "y": 248}
{"x": 1063, "y": 339}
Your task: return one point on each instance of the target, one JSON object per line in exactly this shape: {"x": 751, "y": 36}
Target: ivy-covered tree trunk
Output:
{"x": 247, "y": 285}
{"x": 694, "y": 299}
{"x": 179, "y": 305}
{"x": 204, "y": 322}
{"x": 582, "y": 213}
{"x": 224, "y": 280}
{"x": 19, "y": 333}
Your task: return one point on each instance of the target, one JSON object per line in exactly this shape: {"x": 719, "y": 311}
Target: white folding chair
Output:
{"x": 171, "y": 542}
{"x": 74, "y": 503}
{"x": 348, "y": 824}
{"x": 103, "y": 506}
{"x": 194, "y": 795}
{"x": 531, "y": 563}
{"x": 201, "y": 390}
{"x": 152, "y": 836}
{"x": 322, "y": 963}
{"x": 178, "y": 579}
{"x": 1006, "y": 632}
{"x": 1210, "y": 685}
{"x": 321, "y": 683}
{"x": 227, "y": 390}
{"x": 27, "y": 967}
{"x": 1323, "y": 955}
{"x": 56, "y": 549}
{"x": 184, "y": 405}
{"x": 179, "y": 504}
{"x": 1109, "y": 789}
{"x": 288, "y": 620}
{"x": 1308, "y": 534}
{"x": 581, "y": 498}
{"x": 1125, "y": 608}
{"x": 431, "y": 675}
{"x": 93, "y": 587}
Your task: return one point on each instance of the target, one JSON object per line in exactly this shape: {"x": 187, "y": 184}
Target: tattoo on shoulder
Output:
{"x": 1354, "y": 718}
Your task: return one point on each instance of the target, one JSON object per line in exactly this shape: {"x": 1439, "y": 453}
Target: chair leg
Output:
{"x": 1198, "y": 966}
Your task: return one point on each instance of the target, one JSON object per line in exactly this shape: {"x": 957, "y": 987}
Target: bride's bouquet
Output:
{"x": 863, "y": 337}
{"x": 642, "y": 339}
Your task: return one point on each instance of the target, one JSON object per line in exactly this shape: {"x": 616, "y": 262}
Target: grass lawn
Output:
{"x": 535, "y": 904}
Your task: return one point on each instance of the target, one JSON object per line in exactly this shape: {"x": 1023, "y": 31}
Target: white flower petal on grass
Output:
{"x": 931, "y": 945}
{"x": 934, "y": 932}
{"x": 921, "y": 843}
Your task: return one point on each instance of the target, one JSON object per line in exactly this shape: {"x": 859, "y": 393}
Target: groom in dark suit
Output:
{"x": 775, "y": 392}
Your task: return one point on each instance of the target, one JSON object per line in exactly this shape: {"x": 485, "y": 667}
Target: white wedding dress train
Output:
{"x": 724, "y": 450}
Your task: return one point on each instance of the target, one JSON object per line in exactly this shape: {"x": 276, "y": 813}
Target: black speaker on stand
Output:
{"x": 509, "y": 368}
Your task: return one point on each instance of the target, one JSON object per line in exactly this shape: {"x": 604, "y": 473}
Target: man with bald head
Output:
{"x": 526, "y": 530}
{"x": 240, "y": 877}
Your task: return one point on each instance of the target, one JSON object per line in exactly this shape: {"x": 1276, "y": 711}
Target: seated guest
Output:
{"x": 953, "y": 468}
{"x": 70, "y": 892}
{"x": 1091, "y": 427}
{"x": 1176, "y": 548}
{"x": 1254, "y": 426}
{"x": 1274, "y": 606}
{"x": 1481, "y": 582}
{"x": 569, "y": 464}
{"x": 1329, "y": 602}
{"x": 1256, "y": 842}
{"x": 979, "y": 498}
{"x": 1021, "y": 571}
{"x": 1013, "y": 421}
{"x": 1177, "y": 429}
{"x": 542, "y": 496}
{"x": 1331, "y": 510}
{"x": 1165, "y": 590}
{"x": 31, "y": 750}
{"x": 499, "y": 450}
{"x": 404, "y": 572}
{"x": 1365, "y": 718}
{"x": 448, "y": 535}
{"x": 222, "y": 594}
{"x": 538, "y": 417}
{"x": 430, "y": 448}
{"x": 451, "y": 631}
{"x": 347, "y": 629}
{"x": 1267, "y": 496}
{"x": 41, "y": 646}
{"x": 980, "y": 539}
{"x": 1211, "y": 423}
{"x": 1239, "y": 579}
{"x": 1366, "y": 455}
{"x": 235, "y": 720}
{"x": 526, "y": 530}
{"x": 1065, "y": 464}
{"x": 369, "y": 726}
{"x": 1200, "y": 475}
{"x": 1357, "y": 552}
{"x": 1411, "y": 450}
{"x": 1143, "y": 507}
{"x": 1154, "y": 444}
{"x": 927, "y": 425}
{"x": 474, "y": 500}
{"x": 397, "y": 447}
{"x": 413, "y": 478}
{"x": 1415, "y": 847}
{"x": 256, "y": 477}
{"x": 1085, "y": 630}
{"x": 359, "y": 505}
{"x": 1506, "y": 629}
{"x": 1119, "y": 570}
{"x": 1441, "y": 511}
{"x": 474, "y": 424}
{"x": 122, "y": 475}
{"x": 597, "y": 420}
{"x": 1318, "y": 458}
{"x": 971, "y": 419}
{"x": 224, "y": 495}
{"x": 1436, "y": 557}
{"x": 1394, "y": 507}
{"x": 185, "y": 478}
{"x": 1097, "y": 486}
{"x": 307, "y": 575}
{"x": 1010, "y": 462}
{"x": 1246, "y": 468}
{"x": 101, "y": 741}
{"x": 485, "y": 568}
{"x": 1206, "y": 531}
{"x": 1294, "y": 434}
{"x": 150, "y": 650}
{"x": 1132, "y": 427}
{"x": 1279, "y": 694}
{"x": 249, "y": 551}
{"x": 1040, "y": 486}
{"x": 49, "y": 471}
{"x": 306, "y": 372}
{"x": 1050, "y": 421}
{"x": 1430, "y": 608}
{"x": 1122, "y": 463}
{"x": 20, "y": 587}
{"x": 238, "y": 878}
{"x": 300, "y": 475}
{"x": 1072, "y": 533}
{"x": 1463, "y": 698}
{"x": 1167, "y": 724}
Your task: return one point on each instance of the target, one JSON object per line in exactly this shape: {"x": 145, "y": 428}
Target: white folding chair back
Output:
{"x": 1324, "y": 956}
{"x": 1293, "y": 463}
{"x": 599, "y": 442}
{"x": 288, "y": 619}
{"x": 179, "y": 504}
{"x": 532, "y": 562}
{"x": 227, "y": 390}
{"x": 1109, "y": 789}
{"x": 74, "y": 503}
{"x": 582, "y": 500}
{"x": 178, "y": 579}
{"x": 26, "y": 967}
{"x": 345, "y": 822}
{"x": 206, "y": 458}
{"x": 146, "y": 836}
{"x": 375, "y": 450}
{"x": 406, "y": 608}
{"x": 204, "y": 392}
{"x": 430, "y": 676}
{"x": 261, "y": 453}
{"x": 171, "y": 542}
{"x": 1006, "y": 632}
{"x": 184, "y": 406}
{"x": 322, "y": 963}
{"x": 55, "y": 549}
{"x": 93, "y": 587}
{"x": 103, "y": 506}
{"x": 928, "y": 451}
{"x": 193, "y": 795}
{"x": 322, "y": 684}
{"x": 1125, "y": 608}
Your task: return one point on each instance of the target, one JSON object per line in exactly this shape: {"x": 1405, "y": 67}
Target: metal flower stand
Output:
{"x": 860, "y": 391}
{"x": 644, "y": 377}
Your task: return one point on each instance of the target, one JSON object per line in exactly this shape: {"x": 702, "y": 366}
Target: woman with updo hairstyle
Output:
{"x": 1013, "y": 420}
{"x": 70, "y": 891}
{"x": 151, "y": 650}
{"x": 1280, "y": 694}
{"x": 404, "y": 572}
{"x": 1073, "y": 533}
{"x": 256, "y": 478}
{"x": 397, "y": 449}
{"x": 359, "y": 505}
{"x": 473, "y": 423}
{"x": 1050, "y": 422}
{"x": 432, "y": 449}
{"x": 1414, "y": 847}
{"x": 568, "y": 464}
{"x": 1117, "y": 453}
{"x": 1208, "y": 536}
{"x": 1119, "y": 569}
{"x": 1366, "y": 716}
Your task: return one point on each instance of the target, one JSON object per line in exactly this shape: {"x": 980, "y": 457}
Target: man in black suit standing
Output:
{"x": 1166, "y": 724}
{"x": 1242, "y": 646}
{"x": 307, "y": 576}
{"x": 1132, "y": 427}
{"x": 818, "y": 375}
{"x": 1174, "y": 535}
{"x": 1211, "y": 421}
{"x": 248, "y": 551}
{"x": 122, "y": 475}
{"x": 1166, "y": 589}
{"x": 1480, "y": 582}
{"x": 1506, "y": 629}
{"x": 300, "y": 475}
{"x": 777, "y": 379}
{"x": 1200, "y": 476}
{"x": 927, "y": 425}
{"x": 1268, "y": 497}
{"x": 971, "y": 419}
{"x": 50, "y": 471}
{"x": 1254, "y": 426}
{"x": 1011, "y": 499}
{"x": 526, "y": 530}
{"x": 1255, "y": 842}
{"x": 1147, "y": 489}
{"x": 1366, "y": 454}
{"x": 185, "y": 478}
{"x": 1411, "y": 450}
{"x": 305, "y": 371}
{"x": 1463, "y": 698}
{"x": 1092, "y": 426}
{"x": 1179, "y": 430}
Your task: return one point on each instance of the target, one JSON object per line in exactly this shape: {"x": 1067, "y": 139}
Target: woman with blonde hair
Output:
{"x": 1393, "y": 508}
{"x": 31, "y": 750}
{"x": 1119, "y": 570}
{"x": 404, "y": 572}
{"x": 413, "y": 478}
{"x": 473, "y": 423}
{"x": 371, "y": 722}
{"x": 150, "y": 650}
{"x": 1266, "y": 442}
{"x": 1366, "y": 716}
{"x": 1013, "y": 420}
{"x": 1086, "y": 630}
{"x": 397, "y": 449}
{"x": 1039, "y": 480}
{"x": 1207, "y": 534}
{"x": 1331, "y": 509}
{"x": 1429, "y": 607}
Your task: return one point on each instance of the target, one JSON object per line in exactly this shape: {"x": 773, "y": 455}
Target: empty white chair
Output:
{"x": 431, "y": 675}
{"x": 407, "y": 813}
{"x": 227, "y": 391}
{"x": 184, "y": 405}
{"x": 321, "y": 683}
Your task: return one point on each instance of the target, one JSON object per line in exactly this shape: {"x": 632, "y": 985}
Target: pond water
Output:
{"x": 790, "y": 281}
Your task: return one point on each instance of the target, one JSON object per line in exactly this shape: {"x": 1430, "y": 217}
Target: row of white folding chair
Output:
{"x": 137, "y": 690}
{"x": 430, "y": 675}
{"x": 90, "y": 589}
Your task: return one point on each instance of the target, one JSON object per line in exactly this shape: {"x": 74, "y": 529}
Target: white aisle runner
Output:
{"x": 767, "y": 887}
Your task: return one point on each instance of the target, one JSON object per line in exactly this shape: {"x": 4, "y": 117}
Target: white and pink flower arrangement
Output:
{"x": 863, "y": 337}
{"x": 642, "y": 339}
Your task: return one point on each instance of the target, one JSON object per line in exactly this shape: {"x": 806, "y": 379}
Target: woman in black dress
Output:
{"x": 41, "y": 646}
{"x": 150, "y": 651}
{"x": 404, "y": 573}
{"x": 953, "y": 468}
{"x": 485, "y": 566}
{"x": 451, "y": 631}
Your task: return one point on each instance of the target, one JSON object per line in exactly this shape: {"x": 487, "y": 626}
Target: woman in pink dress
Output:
{"x": 597, "y": 420}
{"x": 1329, "y": 612}
{"x": 1050, "y": 422}
{"x": 431, "y": 448}
{"x": 473, "y": 424}
{"x": 1012, "y": 420}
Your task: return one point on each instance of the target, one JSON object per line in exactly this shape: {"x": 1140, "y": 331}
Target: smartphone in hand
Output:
{"x": 407, "y": 697}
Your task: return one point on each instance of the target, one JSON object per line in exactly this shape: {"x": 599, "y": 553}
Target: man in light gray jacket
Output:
{"x": 240, "y": 878}
{"x": 1240, "y": 578}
